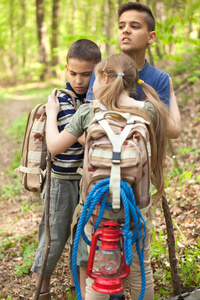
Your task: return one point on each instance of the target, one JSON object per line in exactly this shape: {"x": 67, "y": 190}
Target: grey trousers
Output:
{"x": 64, "y": 196}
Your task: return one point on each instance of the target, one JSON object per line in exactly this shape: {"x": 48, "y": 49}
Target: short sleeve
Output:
{"x": 80, "y": 120}
{"x": 151, "y": 111}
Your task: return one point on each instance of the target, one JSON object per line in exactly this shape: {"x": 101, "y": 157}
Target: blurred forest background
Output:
{"x": 35, "y": 35}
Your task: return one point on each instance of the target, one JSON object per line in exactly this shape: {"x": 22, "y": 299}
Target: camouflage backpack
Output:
{"x": 32, "y": 169}
{"x": 118, "y": 146}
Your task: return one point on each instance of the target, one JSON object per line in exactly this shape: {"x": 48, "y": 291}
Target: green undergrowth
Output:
{"x": 188, "y": 258}
{"x": 28, "y": 254}
{"x": 188, "y": 67}
{"x": 15, "y": 246}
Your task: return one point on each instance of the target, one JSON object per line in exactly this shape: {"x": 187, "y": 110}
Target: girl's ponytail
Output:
{"x": 123, "y": 76}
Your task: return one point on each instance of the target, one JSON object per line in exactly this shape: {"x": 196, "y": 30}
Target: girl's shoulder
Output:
{"x": 85, "y": 109}
{"x": 86, "y": 106}
{"x": 85, "y": 113}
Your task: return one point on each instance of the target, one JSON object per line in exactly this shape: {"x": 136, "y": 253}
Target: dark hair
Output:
{"x": 145, "y": 9}
{"x": 85, "y": 49}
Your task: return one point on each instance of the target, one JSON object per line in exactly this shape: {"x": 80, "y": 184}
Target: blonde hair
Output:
{"x": 123, "y": 76}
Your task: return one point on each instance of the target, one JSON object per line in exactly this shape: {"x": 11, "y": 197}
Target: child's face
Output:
{"x": 133, "y": 35}
{"x": 79, "y": 73}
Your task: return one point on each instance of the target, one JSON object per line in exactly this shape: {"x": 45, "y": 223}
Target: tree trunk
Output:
{"x": 172, "y": 44}
{"x": 158, "y": 52}
{"x": 55, "y": 34}
{"x": 198, "y": 33}
{"x": 74, "y": 4}
{"x": 23, "y": 24}
{"x": 159, "y": 16}
{"x": 12, "y": 56}
{"x": 109, "y": 20}
{"x": 171, "y": 247}
{"x": 119, "y": 3}
{"x": 42, "y": 39}
{"x": 188, "y": 33}
{"x": 151, "y": 60}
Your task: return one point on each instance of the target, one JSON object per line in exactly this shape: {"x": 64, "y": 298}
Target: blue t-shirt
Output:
{"x": 156, "y": 78}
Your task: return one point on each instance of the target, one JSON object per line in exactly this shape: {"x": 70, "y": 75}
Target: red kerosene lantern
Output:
{"x": 110, "y": 265}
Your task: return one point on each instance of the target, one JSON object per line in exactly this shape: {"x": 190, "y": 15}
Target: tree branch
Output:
{"x": 47, "y": 229}
{"x": 171, "y": 247}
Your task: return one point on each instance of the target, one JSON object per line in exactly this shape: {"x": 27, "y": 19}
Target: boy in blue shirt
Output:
{"x": 82, "y": 57}
{"x": 136, "y": 32}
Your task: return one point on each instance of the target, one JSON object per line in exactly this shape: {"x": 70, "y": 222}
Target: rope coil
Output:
{"x": 99, "y": 193}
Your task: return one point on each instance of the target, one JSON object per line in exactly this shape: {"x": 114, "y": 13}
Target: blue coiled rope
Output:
{"x": 99, "y": 193}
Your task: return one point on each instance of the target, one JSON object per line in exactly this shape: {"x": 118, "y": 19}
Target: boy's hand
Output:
{"x": 53, "y": 105}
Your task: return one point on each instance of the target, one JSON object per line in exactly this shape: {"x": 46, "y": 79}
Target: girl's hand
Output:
{"x": 53, "y": 105}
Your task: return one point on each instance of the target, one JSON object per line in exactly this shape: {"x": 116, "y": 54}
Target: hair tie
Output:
{"x": 140, "y": 81}
{"x": 120, "y": 74}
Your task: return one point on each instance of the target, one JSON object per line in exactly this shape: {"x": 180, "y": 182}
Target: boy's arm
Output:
{"x": 174, "y": 125}
{"x": 56, "y": 142}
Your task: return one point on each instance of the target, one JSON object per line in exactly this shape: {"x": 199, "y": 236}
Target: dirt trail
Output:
{"x": 9, "y": 111}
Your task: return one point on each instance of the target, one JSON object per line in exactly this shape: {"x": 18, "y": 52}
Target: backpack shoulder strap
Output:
{"x": 117, "y": 142}
{"x": 72, "y": 96}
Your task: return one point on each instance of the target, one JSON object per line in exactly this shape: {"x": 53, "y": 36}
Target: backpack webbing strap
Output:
{"x": 34, "y": 156}
{"x": 148, "y": 223}
{"x": 30, "y": 170}
{"x": 34, "y": 171}
{"x": 72, "y": 95}
{"x": 76, "y": 216}
{"x": 117, "y": 142}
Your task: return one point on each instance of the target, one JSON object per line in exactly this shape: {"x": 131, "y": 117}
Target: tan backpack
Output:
{"x": 32, "y": 169}
{"x": 118, "y": 146}
{"x": 34, "y": 151}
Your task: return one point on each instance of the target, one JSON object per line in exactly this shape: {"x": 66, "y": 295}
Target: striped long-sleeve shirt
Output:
{"x": 65, "y": 165}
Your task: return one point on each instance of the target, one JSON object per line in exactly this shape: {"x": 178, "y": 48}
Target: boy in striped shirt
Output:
{"x": 83, "y": 55}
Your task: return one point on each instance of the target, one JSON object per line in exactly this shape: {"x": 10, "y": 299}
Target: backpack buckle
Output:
{"x": 116, "y": 158}
{"x": 130, "y": 122}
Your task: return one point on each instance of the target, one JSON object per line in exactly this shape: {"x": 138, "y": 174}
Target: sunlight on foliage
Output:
{"x": 28, "y": 253}
{"x": 17, "y": 128}
{"x": 188, "y": 263}
{"x": 10, "y": 190}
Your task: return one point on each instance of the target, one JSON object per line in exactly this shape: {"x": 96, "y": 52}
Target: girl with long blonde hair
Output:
{"x": 116, "y": 79}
